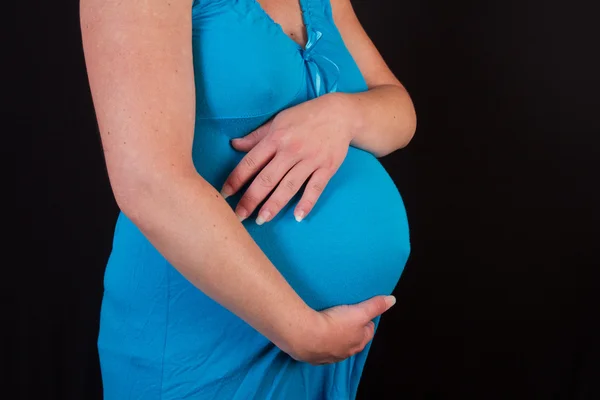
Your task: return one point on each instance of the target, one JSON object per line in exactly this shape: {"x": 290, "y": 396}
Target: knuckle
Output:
{"x": 274, "y": 204}
{"x": 256, "y": 133}
{"x": 265, "y": 179}
{"x": 330, "y": 166}
{"x": 235, "y": 180}
{"x": 367, "y": 313}
{"x": 381, "y": 305}
{"x": 309, "y": 203}
{"x": 290, "y": 184}
{"x": 317, "y": 187}
{"x": 248, "y": 200}
{"x": 249, "y": 162}
{"x": 278, "y": 133}
{"x": 272, "y": 142}
{"x": 292, "y": 146}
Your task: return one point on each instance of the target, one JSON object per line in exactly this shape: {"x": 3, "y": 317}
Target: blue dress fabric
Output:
{"x": 161, "y": 337}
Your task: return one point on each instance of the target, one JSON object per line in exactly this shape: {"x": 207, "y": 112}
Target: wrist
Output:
{"x": 298, "y": 330}
{"x": 351, "y": 114}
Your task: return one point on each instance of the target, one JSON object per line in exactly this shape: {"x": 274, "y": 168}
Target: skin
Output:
{"x": 140, "y": 68}
{"x": 308, "y": 142}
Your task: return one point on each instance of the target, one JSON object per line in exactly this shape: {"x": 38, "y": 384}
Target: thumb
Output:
{"x": 246, "y": 143}
{"x": 369, "y": 332}
{"x": 376, "y": 306}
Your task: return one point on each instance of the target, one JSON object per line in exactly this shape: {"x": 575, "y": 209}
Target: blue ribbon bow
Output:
{"x": 322, "y": 83}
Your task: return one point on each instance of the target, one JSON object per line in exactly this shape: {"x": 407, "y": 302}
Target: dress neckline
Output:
{"x": 305, "y": 14}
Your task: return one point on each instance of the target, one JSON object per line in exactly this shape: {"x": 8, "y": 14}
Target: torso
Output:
{"x": 288, "y": 14}
{"x": 248, "y": 69}
{"x": 160, "y": 336}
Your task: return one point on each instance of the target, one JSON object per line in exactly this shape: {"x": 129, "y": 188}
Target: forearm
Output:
{"x": 139, "y": 61}
{"x": 382, "y": 119}
{"x": 193, "y": 227}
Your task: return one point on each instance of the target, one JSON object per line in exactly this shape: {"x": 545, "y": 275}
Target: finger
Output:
{"x": 369, "y": 333}
{"x": 327, "y": 361}
{"x": 246, "y": 143}
{"x": 248, "y": 167}
{"x": 263, "y": 184}
{"x": 376, "y": 306}
{"x": 287, "y": 188}
{"x": 366, "y": 334}
{"x": 315, "y": 186}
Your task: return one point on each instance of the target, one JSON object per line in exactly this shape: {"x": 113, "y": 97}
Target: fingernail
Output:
{"x": 263, "y": 217}
{"x": 242, "y": 213}
{"x": 390, "y": 301}
{"x": 299, "y": 215}
{"x": 226, "y": 191}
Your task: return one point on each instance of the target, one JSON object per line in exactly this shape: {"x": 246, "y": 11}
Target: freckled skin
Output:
{"x": 140, "y": 66}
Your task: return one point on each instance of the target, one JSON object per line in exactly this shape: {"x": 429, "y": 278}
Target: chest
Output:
{"x": 247, "y": 63}
{"x": 288, "y": 15}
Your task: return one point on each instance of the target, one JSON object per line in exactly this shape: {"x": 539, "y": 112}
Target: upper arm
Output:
{"x": 367, "y": 57}
{"x": 139, "y": 61}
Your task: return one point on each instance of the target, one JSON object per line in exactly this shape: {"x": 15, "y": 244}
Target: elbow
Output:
{"x": 406, "y": 121}
{"x": 137, "y": 193}
{"x": 132, "y": 192}
{"x": 404, "y": 133}
{"x": 409, "y": 127}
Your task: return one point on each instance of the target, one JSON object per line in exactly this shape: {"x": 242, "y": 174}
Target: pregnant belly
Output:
{"x": 352, "y": 246}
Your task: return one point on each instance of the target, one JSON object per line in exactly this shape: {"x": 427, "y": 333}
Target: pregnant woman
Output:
{"x": 259, "y": 237}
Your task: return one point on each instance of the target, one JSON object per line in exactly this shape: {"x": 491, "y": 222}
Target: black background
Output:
{"x": 500, "y": 297}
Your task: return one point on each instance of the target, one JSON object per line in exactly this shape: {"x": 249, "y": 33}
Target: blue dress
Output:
{"x": 162, "y": 338}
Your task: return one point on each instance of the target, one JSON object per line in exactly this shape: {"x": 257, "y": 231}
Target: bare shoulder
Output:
{"x": 138, "y": 56}
{"x": 363, "y": 50}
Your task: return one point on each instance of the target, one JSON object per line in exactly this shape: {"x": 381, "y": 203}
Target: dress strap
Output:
{"x": 318, "y": 9}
